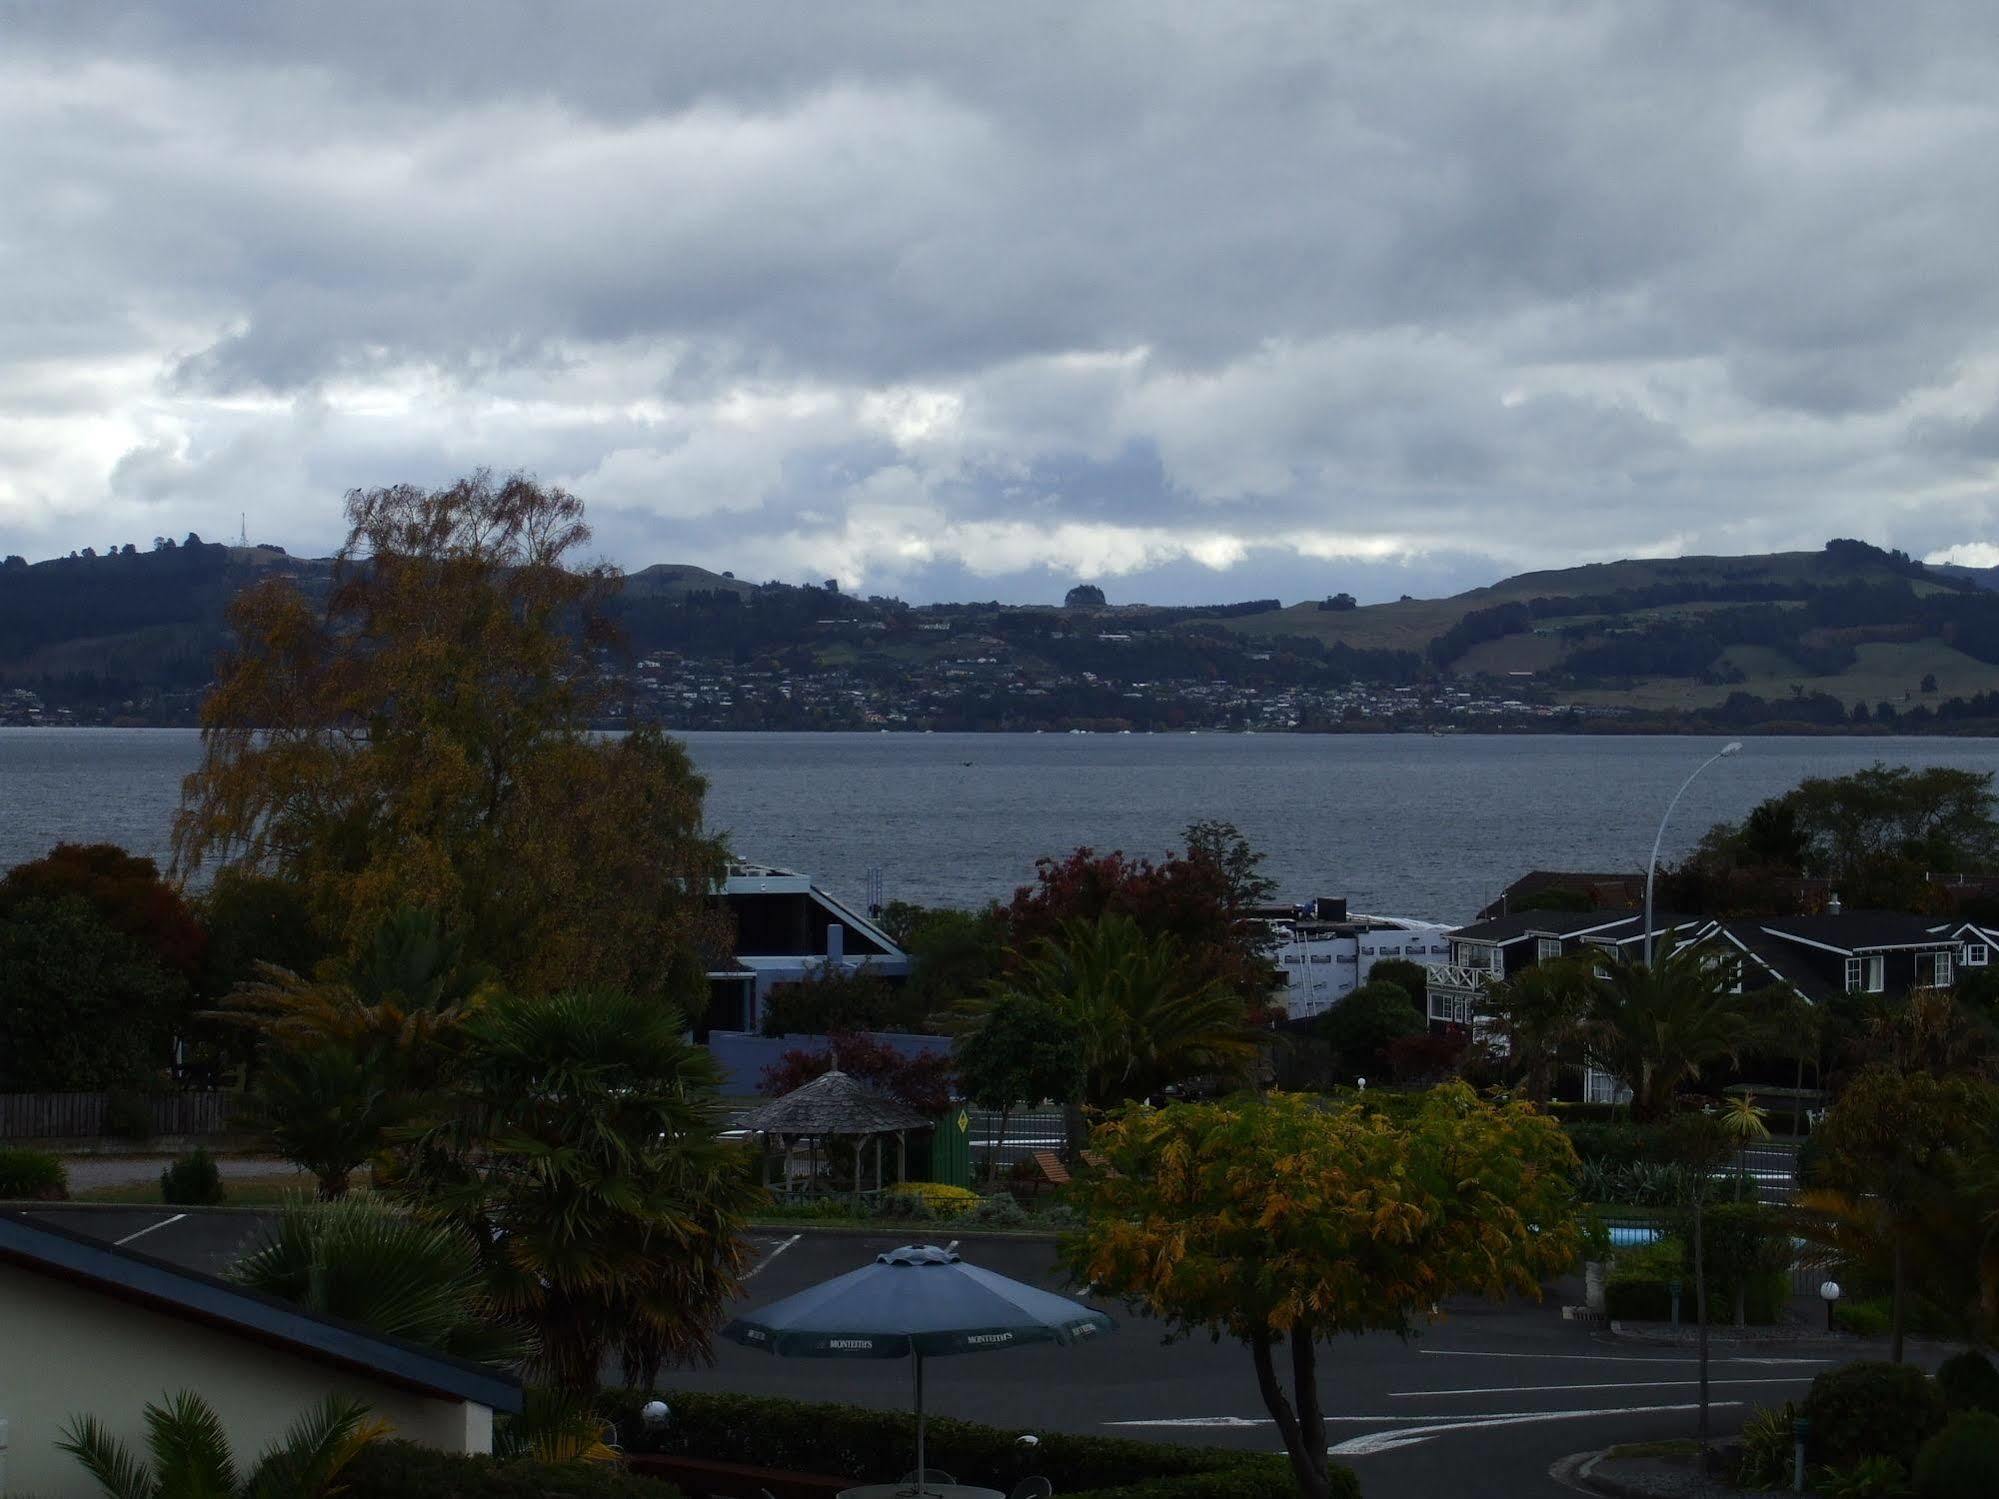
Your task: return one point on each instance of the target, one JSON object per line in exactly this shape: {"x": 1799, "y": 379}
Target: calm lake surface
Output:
{"x": 1403, "y": 824}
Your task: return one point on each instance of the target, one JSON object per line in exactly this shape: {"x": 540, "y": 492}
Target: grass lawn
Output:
{"x": 244, "y": 1191}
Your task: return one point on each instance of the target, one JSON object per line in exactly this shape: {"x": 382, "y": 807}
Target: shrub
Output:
{"x": 943, "y": 1199}
{"x": 910, "y": 1206}
{"x": 127, "y": 1116}
{"x": 402, "y": 1470}
{"x": 1962, "y": 1460}
{"x": 1767, "y": 1448}
{"x": 32, "y": 1176}
{"x": 1969, "y": 1383}
{"x": 847, "y": 1441}
{"x": 192, "y": 1180}
{"x": 997, "y": 1211}
{"x": 1870, "y": 1409}
{"x": 1876, "y": 1477}
{"x": 1864, "y": 1319}
{"x": 1614, "y": 1145}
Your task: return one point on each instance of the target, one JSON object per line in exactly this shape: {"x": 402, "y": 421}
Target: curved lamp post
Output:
{"x": 1733, "y": 747}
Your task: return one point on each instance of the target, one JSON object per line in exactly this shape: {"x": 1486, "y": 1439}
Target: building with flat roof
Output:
{"x": 788, "y": 929}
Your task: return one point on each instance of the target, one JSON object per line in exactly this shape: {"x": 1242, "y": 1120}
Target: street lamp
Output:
{"x": 1733, "y": 747}
{"x": 1829, "y": 1293}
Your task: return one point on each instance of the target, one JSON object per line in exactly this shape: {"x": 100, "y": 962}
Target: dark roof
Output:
{"x": 157, "y": 1286}
{"x": 1853, "y": 931}
{"x": 1539, "y": 923}
{"x": 1773, "y": 955}
{"x": 1631, "y": 928}
{"x": 1614, "y": 889}
{"x": 833, "y": 1104}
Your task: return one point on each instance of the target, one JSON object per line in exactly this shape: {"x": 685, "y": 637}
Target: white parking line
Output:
{"x": 1388, "y": 1441}
{"x": 1636, "y": 1384}
{"x": 147, "y": 1229}
{"x": 758, "y": 1268}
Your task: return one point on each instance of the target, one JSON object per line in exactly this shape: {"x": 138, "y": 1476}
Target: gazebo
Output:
{"x": 834, "y": 1106}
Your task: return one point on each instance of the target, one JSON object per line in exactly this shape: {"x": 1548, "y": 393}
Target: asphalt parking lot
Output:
{"x": 199, "y": 1239}
{"x": 1482, "y": 1404}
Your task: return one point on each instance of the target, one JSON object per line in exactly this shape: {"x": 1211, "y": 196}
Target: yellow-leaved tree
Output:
{"x": 419, "y": 739}
{"x": 1282, "y": 1221}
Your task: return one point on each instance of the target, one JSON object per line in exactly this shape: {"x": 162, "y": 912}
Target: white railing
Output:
{"x": 1457, "y": 976}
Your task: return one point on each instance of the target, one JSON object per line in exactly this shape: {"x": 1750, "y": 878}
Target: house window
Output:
{"x": 1976, "y": 955}
{"x": 1865, "y": 975}
{"x": 1546, "y": 948}
{"x": 1453, "y": 1008}
{"x": 1941, "y": 965}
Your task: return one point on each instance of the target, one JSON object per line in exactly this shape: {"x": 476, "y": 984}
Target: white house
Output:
{"x": 1325, "y": 954}
{"x": 87, "y": 1328}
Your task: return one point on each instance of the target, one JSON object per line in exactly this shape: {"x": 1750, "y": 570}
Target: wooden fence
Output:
{"x": 80, "y": 1116}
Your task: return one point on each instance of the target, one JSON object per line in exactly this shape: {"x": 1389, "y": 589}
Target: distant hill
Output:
{"x": 1809, "y": 636}
{"x": 1851, "y": 622}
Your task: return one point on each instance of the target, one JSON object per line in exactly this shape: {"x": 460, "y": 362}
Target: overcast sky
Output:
{"x": 1203, "y": 301}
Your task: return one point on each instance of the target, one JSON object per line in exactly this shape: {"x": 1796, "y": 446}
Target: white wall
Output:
{"x": 66, "y": 1351}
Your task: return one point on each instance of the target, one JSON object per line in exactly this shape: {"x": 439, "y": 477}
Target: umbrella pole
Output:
{"x": 920, "y": 1476}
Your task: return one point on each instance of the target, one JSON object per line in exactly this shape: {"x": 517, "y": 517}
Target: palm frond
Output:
{"x": 190, "y": 1448}
{"x": 315, "y": 1450}
{"x": 106, "y": 1459}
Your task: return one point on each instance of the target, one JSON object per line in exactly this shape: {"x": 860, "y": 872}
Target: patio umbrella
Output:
{"x": 918, "y": 1301}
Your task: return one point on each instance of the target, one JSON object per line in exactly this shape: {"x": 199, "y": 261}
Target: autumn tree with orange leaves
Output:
{"x": 420, "y": 739}
{"x": 1284, "y": 1222}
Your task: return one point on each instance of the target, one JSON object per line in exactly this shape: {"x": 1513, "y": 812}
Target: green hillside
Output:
{"x": 1789, "y": 637}
{"x": 1850, "y": 622}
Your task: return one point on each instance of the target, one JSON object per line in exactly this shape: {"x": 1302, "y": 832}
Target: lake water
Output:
{"x": 1403, "y": 824}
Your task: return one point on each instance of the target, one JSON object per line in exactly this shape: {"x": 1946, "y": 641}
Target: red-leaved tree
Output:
{"x": 923, "y": 1082}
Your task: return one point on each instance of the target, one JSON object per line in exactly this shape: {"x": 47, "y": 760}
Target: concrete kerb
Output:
{"x": 1591, "y": 1472}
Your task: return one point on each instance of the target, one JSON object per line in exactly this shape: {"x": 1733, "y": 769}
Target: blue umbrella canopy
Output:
{"x": 918, "y": 1300}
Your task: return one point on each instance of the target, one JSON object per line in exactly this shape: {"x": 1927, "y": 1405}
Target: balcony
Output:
{"x": 1462, "y": 976}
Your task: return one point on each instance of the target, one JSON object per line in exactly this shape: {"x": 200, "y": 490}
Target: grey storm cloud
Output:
{"x": 1212, "y": 300}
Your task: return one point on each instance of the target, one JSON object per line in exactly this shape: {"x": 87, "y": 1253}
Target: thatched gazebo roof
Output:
{"x": 833, "y": 1104}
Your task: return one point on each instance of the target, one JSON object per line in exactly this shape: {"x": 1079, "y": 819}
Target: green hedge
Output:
{"x": 402, "y": 1470}
{"x": 1868, "y": 1409}
{"x": 1962, "y": 1460}
{"x": 32, "y": 1175}
{"x": 1257, "y": 1477}
{"x": 845, "y": 1441}
{"x": 1969, "y": 1382}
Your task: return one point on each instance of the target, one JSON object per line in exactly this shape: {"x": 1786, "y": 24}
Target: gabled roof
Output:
{"x": 833, "y": 1104}
{"x": 59, "y": 1254}
{"x": 1781, "y": 960}
{"x": 1632, "y": 928}
{"x": 1503, "y": 929}
{"x": 1856, "y": 931}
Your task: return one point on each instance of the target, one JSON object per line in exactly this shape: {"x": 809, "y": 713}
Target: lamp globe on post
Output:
{"x": 1829, "y": 1293}
{"x": 655, "y": 1414}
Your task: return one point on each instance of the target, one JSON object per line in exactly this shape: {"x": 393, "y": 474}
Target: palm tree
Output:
{"x": 1543, "y": 1010}
{"x": 1145, "y": 1021}
{"x": 402, "y": 999}
{"x": 365, "y": 1262}
{"x": 577, "y": 1144}
{"x": 1655, "y": 1026}
{"x": 191, "y": 1457}
{"x": 328, "y": 1110}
